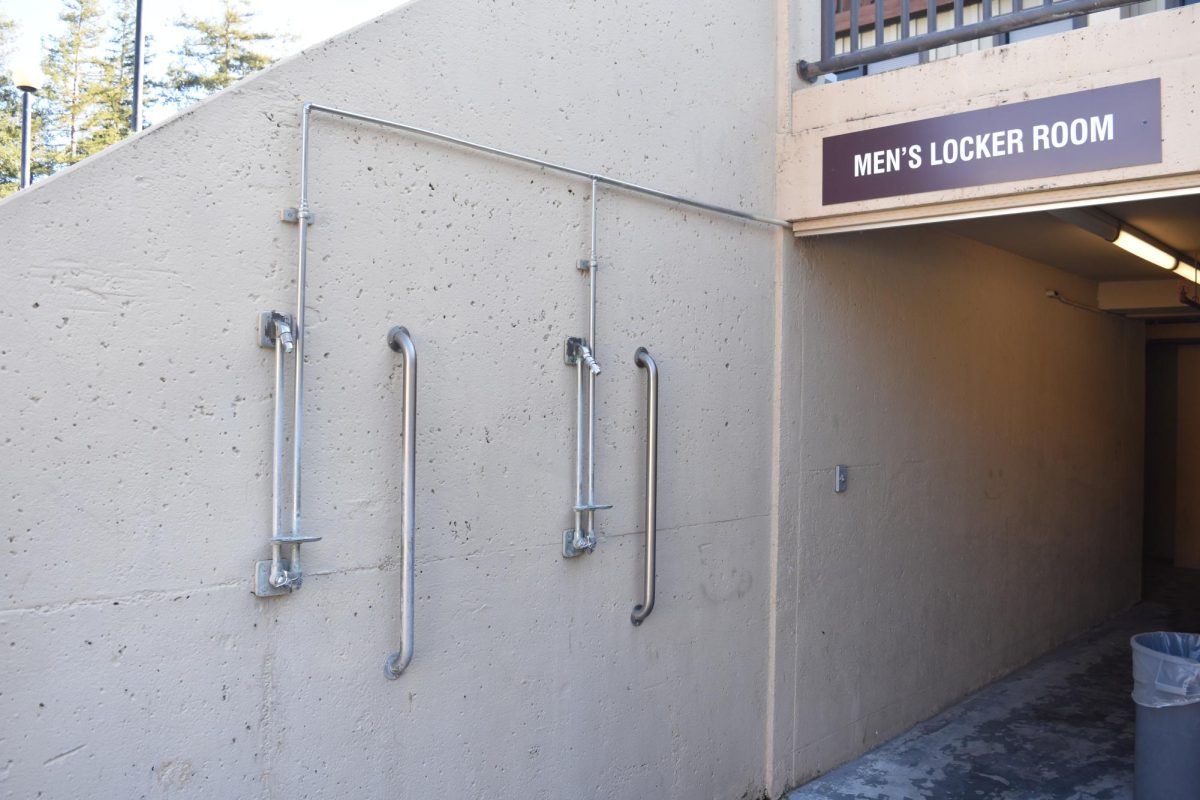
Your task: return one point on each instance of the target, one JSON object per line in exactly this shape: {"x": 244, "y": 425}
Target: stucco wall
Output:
{"x": 135, "y": 496}
{"x": 994, "y": 440}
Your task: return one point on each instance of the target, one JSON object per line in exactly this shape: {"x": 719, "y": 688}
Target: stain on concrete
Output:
{"x": 1059, "y": 729}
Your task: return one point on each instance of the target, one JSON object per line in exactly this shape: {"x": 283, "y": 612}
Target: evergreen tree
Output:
{"x": 218, "y": 52}
{"x": 72, "y": 75}
{"x": 111, "y": 118}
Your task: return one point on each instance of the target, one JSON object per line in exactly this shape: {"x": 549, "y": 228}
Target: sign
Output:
{"x": 1116, "y": 126}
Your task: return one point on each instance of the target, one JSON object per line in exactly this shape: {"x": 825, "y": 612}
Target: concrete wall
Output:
{"x": 994, "y": 437}
{"x": 994, "y": 441}
{"x": 136, "y": 494}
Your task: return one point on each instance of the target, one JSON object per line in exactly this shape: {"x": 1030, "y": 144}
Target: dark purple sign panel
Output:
{"x": 1117, "y": 126}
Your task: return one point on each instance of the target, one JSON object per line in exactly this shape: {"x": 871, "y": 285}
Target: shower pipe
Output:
{"x": 645, "y": 361}
{"x": 304, "y": 216}
{"x": 399, "y": 340}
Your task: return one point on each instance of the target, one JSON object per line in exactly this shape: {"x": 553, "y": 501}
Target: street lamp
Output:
{"x": 28, "y": 79}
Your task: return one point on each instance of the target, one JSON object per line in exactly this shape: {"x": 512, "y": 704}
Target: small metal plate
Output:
{"x": 841, "y": 476}
{"x": 569, "y": 548}
{"x": 262, "y": 579}
{"x": 264, "y": 330}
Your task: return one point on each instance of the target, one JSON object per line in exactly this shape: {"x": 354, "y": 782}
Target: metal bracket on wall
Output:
{"x": 292, "y": 215}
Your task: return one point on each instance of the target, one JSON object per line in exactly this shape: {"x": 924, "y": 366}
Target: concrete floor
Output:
{"x": 1058, "y": 729}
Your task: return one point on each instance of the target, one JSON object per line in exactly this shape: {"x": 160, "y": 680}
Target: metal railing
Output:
{"x": 845, "y": 21}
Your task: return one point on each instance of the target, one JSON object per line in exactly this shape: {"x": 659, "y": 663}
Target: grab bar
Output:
{"x": 644, "y": 360}
{"x": 401, "y": 342}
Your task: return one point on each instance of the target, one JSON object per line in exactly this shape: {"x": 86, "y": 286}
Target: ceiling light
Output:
{"x": 1188, "y": 272}
{"x": 1132, "y": 243}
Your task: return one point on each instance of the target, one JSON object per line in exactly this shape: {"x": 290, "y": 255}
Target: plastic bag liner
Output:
{"x": 1166, "y": 669}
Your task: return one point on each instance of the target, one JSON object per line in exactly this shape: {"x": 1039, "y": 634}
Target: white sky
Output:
{"x": 310, "y": 21}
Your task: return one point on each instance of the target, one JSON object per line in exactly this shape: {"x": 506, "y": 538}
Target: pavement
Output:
{"x": 1060, "y": 728}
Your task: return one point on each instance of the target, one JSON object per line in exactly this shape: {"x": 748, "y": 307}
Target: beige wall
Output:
{"x": 994, "y": 441}
{"x": 138, "y": 421}
{"x": 993, "y": 437}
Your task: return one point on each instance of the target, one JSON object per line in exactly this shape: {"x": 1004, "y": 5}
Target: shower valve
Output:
{"x": 578, "y": 351}
{"x": 274, "y": 326}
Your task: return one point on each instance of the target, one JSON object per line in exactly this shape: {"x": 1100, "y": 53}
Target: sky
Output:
{"x": 310, "y": 21}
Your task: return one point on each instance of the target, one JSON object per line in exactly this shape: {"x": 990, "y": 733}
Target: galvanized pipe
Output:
{"x": 400, "y": 341}
{"x": 1066, "y": 9}
{"x": 644, "y": 360}
{"x": 590, "y": 522}
{"x": 277, "y": 577}
{"x": 495, "y": 151}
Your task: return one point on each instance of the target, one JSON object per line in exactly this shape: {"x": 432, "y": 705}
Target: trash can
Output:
{"x": 1166, "y": 688}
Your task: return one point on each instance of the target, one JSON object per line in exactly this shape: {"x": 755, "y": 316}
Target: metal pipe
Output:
{"x": 277, "y": 577}
{"x": 1066, "y": 9}
{"x": 301, "y": 338}
{"x": 590, "y": 522}
{"x": 604, "y": 179}
{"x": 580, "y": 540}
{"x": 136, "y": 124}
{"x": 644, "y": 360}
{"x": 400, "y": 341}
{"x": 26, "y": 136}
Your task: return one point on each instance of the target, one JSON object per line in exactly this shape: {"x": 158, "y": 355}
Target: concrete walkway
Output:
{"x": 1059, "y": 729}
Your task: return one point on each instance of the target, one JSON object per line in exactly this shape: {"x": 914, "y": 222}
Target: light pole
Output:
{"x": 28, "y": 80}
{"x": 136, "y": 124}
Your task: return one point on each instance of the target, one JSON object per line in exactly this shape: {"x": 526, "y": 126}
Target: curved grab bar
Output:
{"x": 644, "y": 360}
{"x": 401, "y": 342}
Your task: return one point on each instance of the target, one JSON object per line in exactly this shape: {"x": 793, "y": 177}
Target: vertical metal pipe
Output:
{"x": 591, "y": 400}
{"x": 301, "y": 336}
{"x": 136, "y": 123}
{"x": 580, "y": 481}
{"x": 905, "y": 18}
{"x": 853, "y": 25}
{"x": 930, "y": 16}
{"x": 644, "y": 360}
{"x": 878, "y": 22}
{"x": 1018, "y": 5}
{"x": 987, "y": 9}
{"x": 958, "y": 13}
{"x": 828, "y": 27}
{"x": 26, "y": 135}
{"x": 400, "y": 341}
{"x": 276, "y": 576}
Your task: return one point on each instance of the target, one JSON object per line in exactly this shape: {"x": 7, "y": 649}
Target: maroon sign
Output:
{"x": 1117, "y": 126}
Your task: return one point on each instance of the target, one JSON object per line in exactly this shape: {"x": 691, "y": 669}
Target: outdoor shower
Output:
{"x": 285, "y": 334}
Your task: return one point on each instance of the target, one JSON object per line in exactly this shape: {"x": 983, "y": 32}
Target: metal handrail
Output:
{"x": 400, "y": 341}
{"x": 991, "y": 25}
{"x": 644, "y": 360}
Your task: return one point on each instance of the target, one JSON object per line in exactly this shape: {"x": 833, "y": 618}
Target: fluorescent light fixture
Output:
{"x": 1188, "y": 272}
{"x": 1147, "y": 251}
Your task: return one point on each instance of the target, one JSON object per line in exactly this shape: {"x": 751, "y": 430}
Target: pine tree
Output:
{"x": 72, "y": 75}
{"x": 110, "y": 120}
{"x": 218, "y": 52}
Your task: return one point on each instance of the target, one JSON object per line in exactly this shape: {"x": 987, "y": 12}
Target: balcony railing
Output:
{"x": 859, "y": 33}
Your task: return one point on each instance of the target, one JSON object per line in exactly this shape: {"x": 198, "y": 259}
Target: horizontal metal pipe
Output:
{"x": 495, "y": 151}
{"x": 1066, "y": 9}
